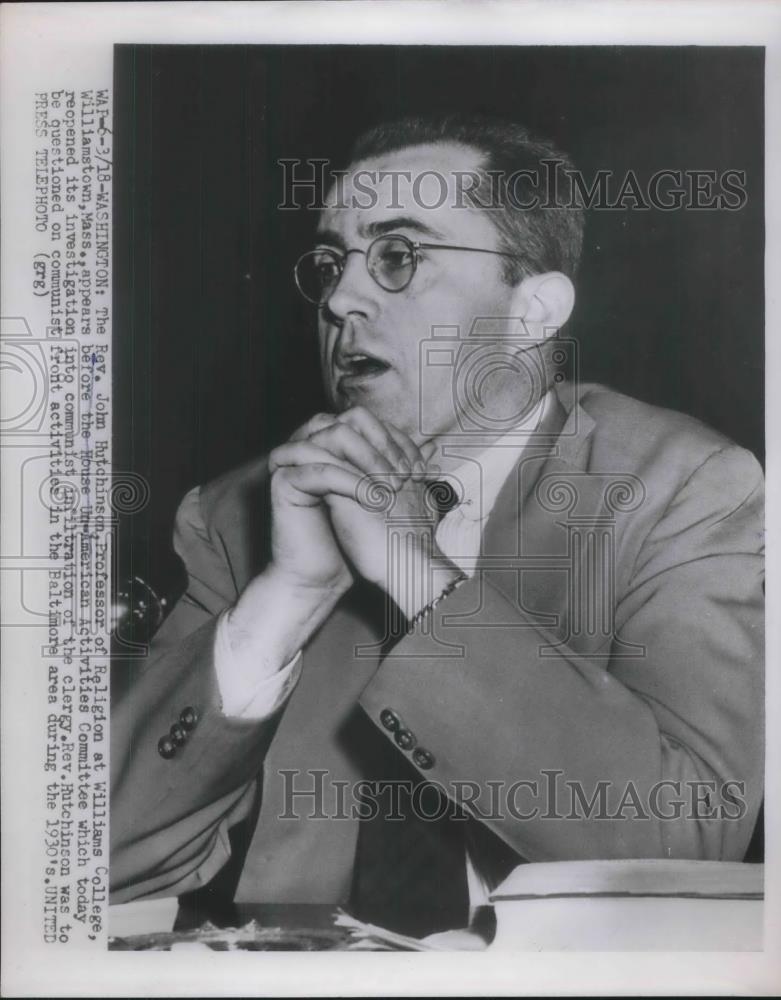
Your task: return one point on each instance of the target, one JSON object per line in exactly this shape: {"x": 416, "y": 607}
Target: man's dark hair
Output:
{"x": 512, "y": 173}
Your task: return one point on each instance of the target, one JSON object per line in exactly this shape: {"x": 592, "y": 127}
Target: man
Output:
{"x": 399, "y": 702}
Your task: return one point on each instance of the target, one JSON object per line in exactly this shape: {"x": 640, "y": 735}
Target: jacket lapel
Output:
{"x": 323, "y": 743}
{"x": 550, "y": 544}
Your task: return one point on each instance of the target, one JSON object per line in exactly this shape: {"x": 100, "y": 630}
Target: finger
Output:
{"x": 423, "y": 469}
{"x": 302, "y": 454}
{"x": 349, "y": 444}
{"x": 338, "y": 445}
{"x": 391, "y": 444}
{"x": 418, "y": 456}
{"x": 307, "y": 452}
{"x": 314, "y": 424}
{"x": 322, "y": 479}
{"x": 405, "y": 442}
{"x": 428, "y": 450}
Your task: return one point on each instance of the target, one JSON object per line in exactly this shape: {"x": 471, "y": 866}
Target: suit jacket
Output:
{"x": 611, "y": 644}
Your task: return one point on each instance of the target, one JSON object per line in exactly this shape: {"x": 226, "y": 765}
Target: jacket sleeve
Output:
{"x": 170, "y": 816}
{"x": 566, "y": 756}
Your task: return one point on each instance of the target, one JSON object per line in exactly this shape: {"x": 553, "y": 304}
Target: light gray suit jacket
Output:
{"x": 613, "y": 635}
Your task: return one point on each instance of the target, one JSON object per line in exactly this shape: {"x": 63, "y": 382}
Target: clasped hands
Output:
{"x": 328, "y": 530}
{"x": 332, "y": 485}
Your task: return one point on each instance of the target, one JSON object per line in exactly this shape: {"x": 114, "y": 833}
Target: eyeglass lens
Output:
{"x": 390, "y": 260}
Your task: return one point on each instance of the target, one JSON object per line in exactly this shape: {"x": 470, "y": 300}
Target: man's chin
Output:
{"x": 383, "y": 405}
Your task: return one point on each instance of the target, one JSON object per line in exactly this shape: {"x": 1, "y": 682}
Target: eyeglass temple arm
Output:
{"x": 449, "y": 246}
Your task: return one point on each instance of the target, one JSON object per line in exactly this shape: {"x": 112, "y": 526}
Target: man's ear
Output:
{"x": 544, "y": 303}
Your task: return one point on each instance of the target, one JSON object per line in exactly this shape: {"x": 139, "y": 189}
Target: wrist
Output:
{"x": 303, "y": 594}
{"x": 417, "y": 576}
{"x": 276, "y": 615}
{"x": 420, "y": 616}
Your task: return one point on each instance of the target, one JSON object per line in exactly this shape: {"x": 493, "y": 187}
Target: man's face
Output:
{"x": 370, "y": 338}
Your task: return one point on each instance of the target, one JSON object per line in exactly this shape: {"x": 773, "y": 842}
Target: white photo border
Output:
{"x": 46, "y": 42}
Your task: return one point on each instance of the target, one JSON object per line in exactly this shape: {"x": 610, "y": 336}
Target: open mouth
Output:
{"x": 357, "y": 367}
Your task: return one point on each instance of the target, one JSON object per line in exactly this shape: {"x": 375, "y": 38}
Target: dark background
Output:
{"x": 215, "y": 354}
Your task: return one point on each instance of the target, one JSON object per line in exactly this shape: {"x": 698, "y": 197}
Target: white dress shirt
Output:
{"x": 477, "y": 481}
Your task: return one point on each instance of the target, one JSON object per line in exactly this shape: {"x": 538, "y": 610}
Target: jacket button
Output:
{"x": 390, "y": 720}
{"x": 424, "y": 759}
{"x": 188, "y": 718}
{"x": 166, "y": 748}
{"x": 178, "y": 734}
{"x": 405, "y": 739}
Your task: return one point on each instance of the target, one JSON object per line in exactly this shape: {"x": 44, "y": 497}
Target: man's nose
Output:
{"x": 356, "y": 291}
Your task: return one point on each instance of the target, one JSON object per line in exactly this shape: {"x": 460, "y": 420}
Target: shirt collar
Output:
{"x": 478, "y": 480}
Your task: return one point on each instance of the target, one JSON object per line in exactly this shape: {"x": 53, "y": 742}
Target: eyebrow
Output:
{"x": 370, "y": 230}
{"x": 383, "y": 226}
{"x": 330, "y": 237}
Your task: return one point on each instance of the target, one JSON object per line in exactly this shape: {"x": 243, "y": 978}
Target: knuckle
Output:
{"x": 339, "y": 433}
{"x": 278, "y": 476}
{"x": 356, "y": 414}
{"x": 327, "y": 431}
{"x": 315, "y": 423}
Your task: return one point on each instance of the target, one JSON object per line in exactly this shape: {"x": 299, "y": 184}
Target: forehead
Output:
{"x": 422, "y": 185}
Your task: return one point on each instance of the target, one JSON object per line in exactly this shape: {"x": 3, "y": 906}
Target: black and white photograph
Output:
{"x": 450, "y": 378}
{"x": 417, "y": 503}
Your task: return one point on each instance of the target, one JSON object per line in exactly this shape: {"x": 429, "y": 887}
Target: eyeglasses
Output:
{"x": 391, "y": 260}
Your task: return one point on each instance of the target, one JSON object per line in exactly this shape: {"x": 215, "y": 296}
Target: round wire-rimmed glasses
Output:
{"x": 391, "y": 260}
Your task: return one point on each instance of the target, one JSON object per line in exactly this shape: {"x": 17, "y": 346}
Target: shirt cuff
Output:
{"x": 243, "y": 696}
